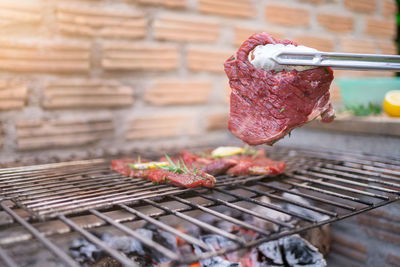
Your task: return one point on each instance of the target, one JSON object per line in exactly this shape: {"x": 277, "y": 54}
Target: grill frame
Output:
{"x": 307, "y": 168}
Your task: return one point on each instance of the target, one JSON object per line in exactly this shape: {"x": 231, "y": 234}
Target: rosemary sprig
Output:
{"x": 179, "y": 167}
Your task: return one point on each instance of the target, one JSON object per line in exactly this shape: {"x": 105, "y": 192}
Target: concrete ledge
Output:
{"x": 375, "y": 125}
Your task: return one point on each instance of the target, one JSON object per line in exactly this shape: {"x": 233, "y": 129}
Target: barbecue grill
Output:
{"x": 44, "y": 202}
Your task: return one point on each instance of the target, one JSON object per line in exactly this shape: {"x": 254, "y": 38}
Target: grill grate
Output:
{"x": 86, "y": 194}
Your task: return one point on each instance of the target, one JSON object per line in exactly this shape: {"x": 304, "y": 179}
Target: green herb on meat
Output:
{"x": 176, "y": 168}
{"x": 326, "y": 69}
{"x": 282, "y": 109}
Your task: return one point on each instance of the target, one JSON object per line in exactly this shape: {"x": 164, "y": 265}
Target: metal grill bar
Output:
{"x": 6, "y": 259}
{"x": 305, "y": 179}
{"x": 236, "y": 207}
{"x": 319, "y": 190}
{"x": 170, "y": 254}
{"x": 338, "y": 181}
{"x": 58, "y": 252}
{"x": 199, "y": 223}
{"x": 114, "y": 253}
{"x": 326, "y": 201}
{"x": 329, "y": 177}
{"x": 266, "y": 205}
{"x": 222, "y": 216}
{"x": 336, "y": 170}
{"x": 333, "y": 214}
{"x": 166, "y": 227}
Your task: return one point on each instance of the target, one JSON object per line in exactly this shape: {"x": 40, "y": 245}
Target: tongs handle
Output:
{"x": 348, "y": 61}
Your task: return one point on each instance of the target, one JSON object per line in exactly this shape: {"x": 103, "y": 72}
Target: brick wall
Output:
{"x": 88, "y": 78}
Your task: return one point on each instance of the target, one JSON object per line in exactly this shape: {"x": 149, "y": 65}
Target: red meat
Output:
{"x": 161, "y": 176}
{"x": 256, "y": 164}
{"x": 267, "y": 105}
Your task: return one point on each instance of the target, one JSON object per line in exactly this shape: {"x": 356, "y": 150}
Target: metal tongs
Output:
{"x": 347, "y": 61}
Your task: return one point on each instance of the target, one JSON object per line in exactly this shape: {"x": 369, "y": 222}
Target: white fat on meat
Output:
{"x": 260, "y": 57}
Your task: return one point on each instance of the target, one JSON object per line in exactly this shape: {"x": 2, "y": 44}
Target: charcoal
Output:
{"x": 84, "y": 251}
{"x": 161, "y": 237}
{"x": 124, "y": 244}
{"x": 298, "y": 252}
{"x": 216, "y": 242}
{"x": 271, "y": 251}
{"x": 292, "y": 251}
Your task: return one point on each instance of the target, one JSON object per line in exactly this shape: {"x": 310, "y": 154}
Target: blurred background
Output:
{"x": 93, "y": 78}
{"x": 100, "y": 78}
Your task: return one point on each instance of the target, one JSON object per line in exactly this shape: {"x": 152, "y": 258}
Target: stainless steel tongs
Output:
{"x": 348, "y": 61}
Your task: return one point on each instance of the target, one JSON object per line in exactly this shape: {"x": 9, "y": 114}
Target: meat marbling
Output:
{"x": 267, "y": 105}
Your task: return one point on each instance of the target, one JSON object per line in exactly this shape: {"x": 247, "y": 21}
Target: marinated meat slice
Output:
{"x": 207, "y": 163}
{"x": 190, "y": 180}
{"x": 122, "y": 166}
{"x": 267, "y": 105}
{"x": 162, "y": 176}
{"x": 219, "y": 166}
{"x": 242, "y": 168}
{"x": 256, "y": 164}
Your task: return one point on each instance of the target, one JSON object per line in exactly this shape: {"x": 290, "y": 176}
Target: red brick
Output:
{"x": 217, "y": 121}
{"x": 365, "y": 6}
{"x": 235, "y": 8}
{"x": 13, "y": 94}
{"x": 161, "y": 126}
{"x": 348, "y": 253}
{"x": 243, "y": 33}
{"x": 345, "y": 242}
{"x": 320, "y": 43}
{"x": 139, "y": 56}
{"x": 379, "y": 213}
{"x": 101, "y": 20}
{"x": 41, "y": 55}
{"x": 378, "y": 223}
{"x": 356, "y": 45}
{"x": 335, "y": 92}
{"x": 62, "y": 133}
{"x": 287, "y": 16}
{"x": 1, "y": 135}
{"x": 84, "y": 93}
{"x": 381, "y": 27}
{"x": 389, "y": 8}
{"x": 184, "y": 29}
{"x": 334, "y": 23}
{"x": 20, "y": 12}
{"x": 204, "y": 59}
{"x": 382, "y": 235}
{"x": 178, "y": 92}
{"x": 387, "y": 47}
{"x": 312, "y": 1}
{"x": 166, "y": 3}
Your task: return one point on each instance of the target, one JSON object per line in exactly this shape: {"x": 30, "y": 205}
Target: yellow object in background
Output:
{"x": 391, "y": 103}
{"x": 226, "y": 151}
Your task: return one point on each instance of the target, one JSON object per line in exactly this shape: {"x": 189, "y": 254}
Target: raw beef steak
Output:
{"x": 267, "y": 105}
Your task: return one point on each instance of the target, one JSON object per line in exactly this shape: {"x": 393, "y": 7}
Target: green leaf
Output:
{"x": 185, "y": 168}
{"x": 282, "y": 109}
{"x": 170, "y": 162}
